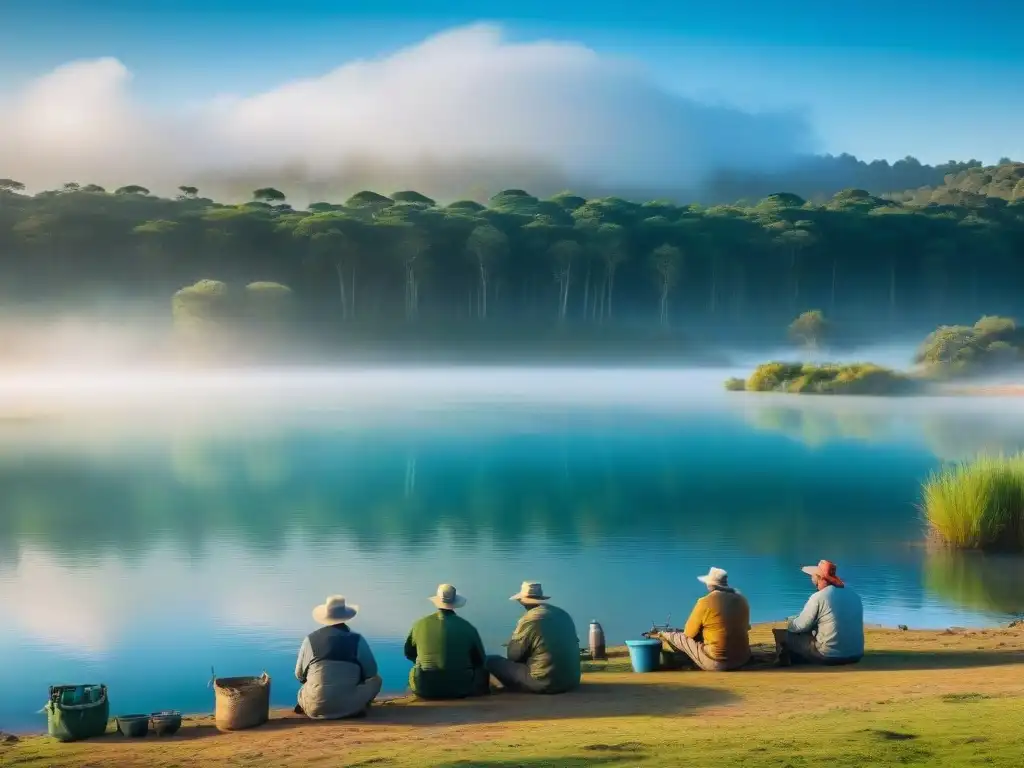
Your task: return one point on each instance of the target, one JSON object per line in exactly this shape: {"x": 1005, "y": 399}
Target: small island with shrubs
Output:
{"x": 993, "y": 345}
{"x": 826, "y": 379}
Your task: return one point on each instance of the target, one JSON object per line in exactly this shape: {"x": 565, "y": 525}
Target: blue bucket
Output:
{"x": 644, "y": 655}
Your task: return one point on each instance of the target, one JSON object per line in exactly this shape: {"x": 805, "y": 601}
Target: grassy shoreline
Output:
{"x": 977, "y": 504}
{"x": 952, "y": 697}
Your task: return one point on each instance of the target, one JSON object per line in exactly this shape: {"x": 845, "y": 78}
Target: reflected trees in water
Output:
{"x": 976, "y": 581}
{"x": 573, "y": 485}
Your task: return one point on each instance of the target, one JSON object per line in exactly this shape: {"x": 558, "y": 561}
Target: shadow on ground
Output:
{"x": 906, "y": 660}
{"x": 621, "y": 699}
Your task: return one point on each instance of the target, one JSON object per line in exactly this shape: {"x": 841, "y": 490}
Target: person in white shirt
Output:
{"x": 830, "y": 628}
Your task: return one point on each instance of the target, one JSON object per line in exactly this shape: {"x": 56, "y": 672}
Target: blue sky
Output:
{"x": 939, "y": 80}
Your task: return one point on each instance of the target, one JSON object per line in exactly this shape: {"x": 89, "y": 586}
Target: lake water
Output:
{"x": 155, "y": 527}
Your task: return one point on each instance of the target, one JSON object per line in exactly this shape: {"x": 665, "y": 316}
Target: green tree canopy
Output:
{"x": 810, "y": 329}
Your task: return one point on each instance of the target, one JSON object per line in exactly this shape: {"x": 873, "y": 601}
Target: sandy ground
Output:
{"x": 904, "y": 673}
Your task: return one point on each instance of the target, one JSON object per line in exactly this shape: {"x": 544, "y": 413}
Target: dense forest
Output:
{"x": 520, "y": 261}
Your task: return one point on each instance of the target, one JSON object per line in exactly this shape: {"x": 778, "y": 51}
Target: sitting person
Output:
{"x": 335, "y": 666}
{"x": 544, "y": 651}
{"x": 716, "y": 636}
{"x": 447, "y": 651}
{"x": 830, "y": 629}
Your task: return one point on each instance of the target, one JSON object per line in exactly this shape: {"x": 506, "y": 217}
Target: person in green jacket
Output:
{"x": 447, "y": 651}
{"x": 544, "y": 651}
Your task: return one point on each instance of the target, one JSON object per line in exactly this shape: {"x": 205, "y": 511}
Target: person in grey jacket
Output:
{"x": 830, "y": 628}
{"x": 335, "y": 666}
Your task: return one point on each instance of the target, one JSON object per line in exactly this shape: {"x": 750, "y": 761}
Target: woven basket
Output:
{"x": 242, "y": 702}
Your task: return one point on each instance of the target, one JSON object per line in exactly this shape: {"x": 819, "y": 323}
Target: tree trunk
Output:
{"x": 892, "y": 289}
{"x": 565, "y": 291}
{"x": 974, "y": 287}
{"x": 795, "y": 275}
{"x": 483, "y": 292}
{"x": 739, "y": 293}
{"x": 611, "y": 289}
{"x": 832, "y": 299}
{"x": 352, "y": 304}
{"x": 664, "y": 304}
{"x": 408, "y": 292}
{"x": 714, "y": 284}
{"x": 586, "y": 292}
{"x": 340, "y": 270}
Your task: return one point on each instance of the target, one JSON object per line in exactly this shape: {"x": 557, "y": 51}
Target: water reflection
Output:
{"x": 951, "y": 435}
{"x": 574, "y": 483}
{"x": 208, "y": 543}
{"x": 979, "y": 582}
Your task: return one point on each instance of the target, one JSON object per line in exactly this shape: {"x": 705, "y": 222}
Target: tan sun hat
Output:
{"x": 447, "y": 598}
{"x": 334, "y": 611}
{"x": 530, "y": 592}
{"x": 716, "y": 578}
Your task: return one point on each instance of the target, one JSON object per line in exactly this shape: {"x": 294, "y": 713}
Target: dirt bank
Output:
{"x": 919, "y": 698}
{"x": 995, "y": 390}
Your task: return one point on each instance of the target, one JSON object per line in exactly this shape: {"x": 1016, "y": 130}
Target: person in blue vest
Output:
{"x": 335, "y": 666}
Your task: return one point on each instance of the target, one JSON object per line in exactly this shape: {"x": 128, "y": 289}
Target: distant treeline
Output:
{"x": 819, "y": 177}
{"x": 405, "y": 259}
{"x": 972, "y": 186}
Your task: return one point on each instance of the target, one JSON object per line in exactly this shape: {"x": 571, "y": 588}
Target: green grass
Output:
{"x": 978, "y": 504}
{"x": 951, "y": 731}
{"x": 826, "y": 379}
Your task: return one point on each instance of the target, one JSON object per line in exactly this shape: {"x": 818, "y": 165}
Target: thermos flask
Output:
{"x": 597, "y": 641}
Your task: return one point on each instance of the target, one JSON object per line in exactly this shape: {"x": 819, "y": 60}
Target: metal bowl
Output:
{"x": 167, "y": 722}
{"x": 133, "y": 726}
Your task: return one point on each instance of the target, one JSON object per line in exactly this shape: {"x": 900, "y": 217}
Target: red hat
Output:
{"x": 824, "y": 570}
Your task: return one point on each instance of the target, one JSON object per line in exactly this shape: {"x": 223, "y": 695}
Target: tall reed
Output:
{"x": 978, "y": 504}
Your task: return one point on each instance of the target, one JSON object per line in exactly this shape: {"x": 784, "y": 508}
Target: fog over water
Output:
{"x": 79, "y": 384}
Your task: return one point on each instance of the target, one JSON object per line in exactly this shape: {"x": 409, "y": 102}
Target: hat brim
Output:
{"x": 457, "y": 603}
{"x": 535, "y": 600}
{"x": 320, "y": 615}
{"x": 711, "y": 582}
{"x": 812, "y": 570}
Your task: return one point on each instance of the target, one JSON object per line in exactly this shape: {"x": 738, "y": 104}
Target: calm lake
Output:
{"x": 154, "y": 527}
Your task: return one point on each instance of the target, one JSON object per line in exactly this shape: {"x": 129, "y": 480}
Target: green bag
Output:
{"x": 84, "y": 719}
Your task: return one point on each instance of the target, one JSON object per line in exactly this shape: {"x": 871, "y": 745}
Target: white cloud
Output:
{"x": 465, "y": 109}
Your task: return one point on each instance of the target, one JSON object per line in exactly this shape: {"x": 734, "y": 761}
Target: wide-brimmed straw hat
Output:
{"x": 334, "y": 611}
{"x": 716, "y": 578}
{"x": 447, "y": 598}
{"x": 824, "y": 570}
{"x": 530, "y": 592}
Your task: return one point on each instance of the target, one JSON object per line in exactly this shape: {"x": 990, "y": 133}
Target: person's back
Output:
{"x": 553, "y": 647}
{"x": 338, "y": 673}
{"x": 840, "y": 629}
{"x": 448, "y": 654}
{"x": 725, "y": 623}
